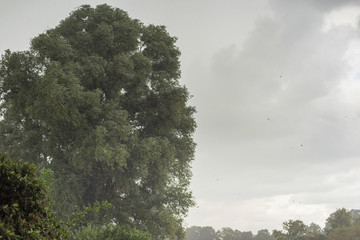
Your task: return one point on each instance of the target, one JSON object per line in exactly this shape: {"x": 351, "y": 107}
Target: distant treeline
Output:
{"x": 208, "y": 233}
{"x": 342, "y": 224}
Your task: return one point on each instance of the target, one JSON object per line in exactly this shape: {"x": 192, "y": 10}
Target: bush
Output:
{"x": 25, "y": 211}
{"x": 109, "y": 232}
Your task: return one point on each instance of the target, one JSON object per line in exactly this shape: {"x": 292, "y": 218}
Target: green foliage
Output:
{"x": 226, "y": 233}
{"x": 200, "y": 233}
{"x": 314, "y": 232}
{"x": 342, "y": 224}
{"x": 24, "y": 206}
{"x": 341, "y": 218}
{"x": 109, "y": 232}
{"x": 279, "y": 235}
{"x": 47, "y": 177}
{"x": 263, "y": 234}
{"x": 97, "y": 100}
{"x": 96, "y": 215}
{"x": 316, "y": 236}
{"x": 91, "y": 222}
{"x": 230, "y": 234}
{"x": 208, "y": 233}
{"x": 88, "y": 223}
{"x": 293, "y": 230}
{"x": 345, "y": 233}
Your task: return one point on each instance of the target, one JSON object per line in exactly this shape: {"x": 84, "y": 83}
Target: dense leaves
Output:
{"x": 200, "y": 233}
{"x": 97, "y": 100}
{"x": 341, "y": 218}
{"x": 208, "y": 233}
{"x": 25, "y": 211}
{"x": 109, "y": 231}
{"x": 294, "y": 230}
{"x": 88, "y": 223}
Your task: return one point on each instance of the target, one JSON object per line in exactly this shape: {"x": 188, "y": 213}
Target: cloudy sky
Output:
{"x": 276, "y": 84}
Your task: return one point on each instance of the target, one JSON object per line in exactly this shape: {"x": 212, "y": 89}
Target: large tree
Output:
{"x": 97, "y": 99}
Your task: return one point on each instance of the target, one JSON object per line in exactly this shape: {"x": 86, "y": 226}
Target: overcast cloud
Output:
{"x": 277, "y": 87}
{"x": 282, "y": 118}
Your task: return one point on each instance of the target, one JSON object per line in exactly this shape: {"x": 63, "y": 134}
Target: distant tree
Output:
{"x": 200, "y": 233}
{"x": 343, "y": 224}
{"x": 279, "y": 235}
{"x": 341, "y": 218}
{"x": 345, "y": 233}
{"x": 230, "y": 234}
{"x": 25, "y": 211}
{"x": 226, "y": 233}
{"x": 97, "y": 100}
{"x": 313, "y": 227}
{"x": 316, "y": 236}
{"x": 245, "y": 235}
{"x": 293, "y": 230}
{"x": 193, "y": 233}
{"x": 355, "y": 216}
{"x": 263, "y": 234}
{"x": 314, "y": 232}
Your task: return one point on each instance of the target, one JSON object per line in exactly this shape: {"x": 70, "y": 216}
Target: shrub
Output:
{"x": 108, "y": 232}
{"x": 25, "y": 211}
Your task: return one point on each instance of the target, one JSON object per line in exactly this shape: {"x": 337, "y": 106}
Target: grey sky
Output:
{"x": 276, "y": 84}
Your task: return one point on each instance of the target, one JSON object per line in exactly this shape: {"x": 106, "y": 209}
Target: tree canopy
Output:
{"x": 339, "y": 219}
{"x": 200, "y": 233}
{"x": 97, "y": 99}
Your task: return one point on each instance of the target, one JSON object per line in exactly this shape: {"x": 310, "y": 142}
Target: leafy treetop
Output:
{"x": 97, "y": 99}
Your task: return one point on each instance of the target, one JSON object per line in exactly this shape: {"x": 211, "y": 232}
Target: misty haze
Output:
{"x": 211, "y": 120}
